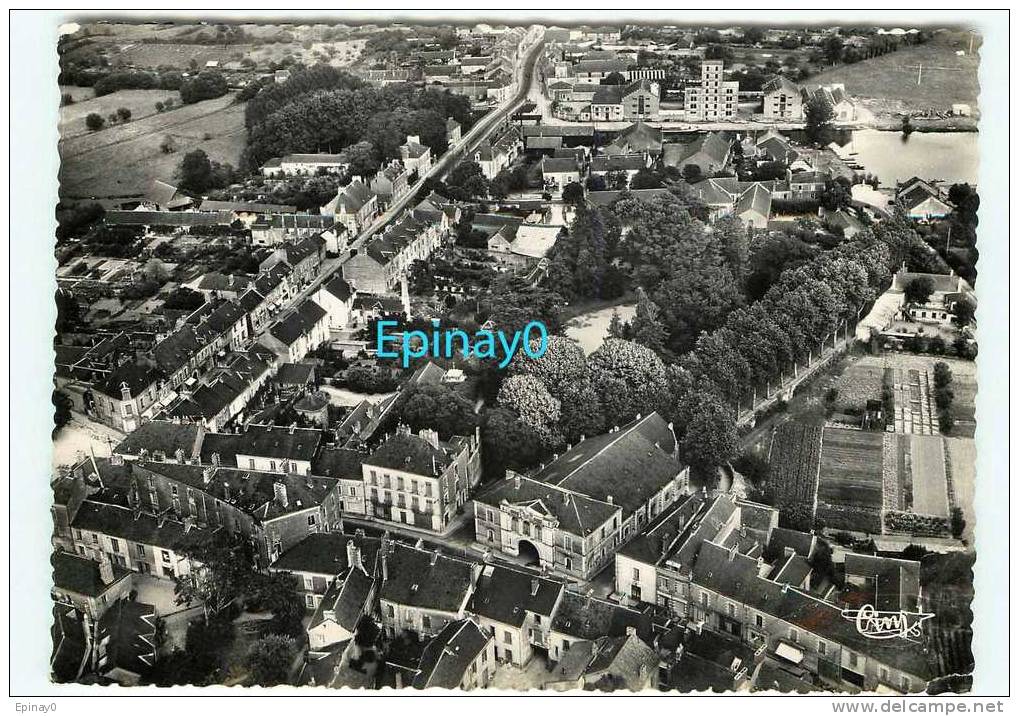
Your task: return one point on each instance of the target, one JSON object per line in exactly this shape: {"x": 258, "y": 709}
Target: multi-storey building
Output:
{"x": 783, "y": 99}
{"x": 419, "y": 480}
{"x": 573, "y": 514}
{"x": 714, "y": 98}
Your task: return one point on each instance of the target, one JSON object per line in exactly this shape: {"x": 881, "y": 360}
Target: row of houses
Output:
{"x": 724, "y": 565}
{"x": 471, "y": 616}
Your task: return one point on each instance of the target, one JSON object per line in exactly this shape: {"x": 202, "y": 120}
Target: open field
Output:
{"x": 140, "y": 102}
{"x": 962, "y": 462}
{"x": 121, "y": 161}
{"x": 849, "y": 491}
{"x": 78, "y": 94}
{"x": 946, "y": 78}
{"x": 930, "y": 491}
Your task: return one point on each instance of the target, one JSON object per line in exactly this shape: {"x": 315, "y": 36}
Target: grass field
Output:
{"x": 946, "y": 78}
{"x": 858, "y": 384}
{"x": 964, "y": 405}
{"x": 121, "y": 161}
{"x": 930, "y": 491}
{"x": 142, "y": 103}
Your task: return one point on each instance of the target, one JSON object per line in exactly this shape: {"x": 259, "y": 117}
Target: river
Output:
{"x": 591, "y": 329}
{"x": 951, "y": 157}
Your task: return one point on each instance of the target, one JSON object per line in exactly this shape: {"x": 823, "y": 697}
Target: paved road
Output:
{"x": 467, "y": 144}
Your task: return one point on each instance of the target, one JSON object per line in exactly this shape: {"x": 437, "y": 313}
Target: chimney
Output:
{"x": 385, "y": 565}
{"x": 106, "y": 569}
{"x": 566, "y": 498}
{"x": 226, "y": 491}
{"x": 279, "y": 489}
{"x": 353, "y": 554}
{"x": 434, "y": 558}
{"x": 293, "y": 426}
{"x": 610, "y": 500}
{"x": 178, "y": 455}
{"x": 534, "y": 586}
{"x": 116, "y": 459}
{"x": 631, "y": 631}
{"x": 125, "y": 392}
{"x": 430, "y": 436}
{"x": 207, "y": 474}
{"x": 516, "y": 481}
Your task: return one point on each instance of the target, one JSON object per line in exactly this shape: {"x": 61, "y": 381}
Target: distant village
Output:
{"x": 778, "y": 433}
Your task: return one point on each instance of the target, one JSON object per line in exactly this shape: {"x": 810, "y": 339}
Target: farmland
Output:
{"x": 849, "y": 492}
{"x": 792, "y": 480}
{"x": 930, "y": 492}
{"x": 121, "y": 161}
{"x": 142, "y": 103}
{"x": 858, "y": 384}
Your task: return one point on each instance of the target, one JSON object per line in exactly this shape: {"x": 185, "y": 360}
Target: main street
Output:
{"x": 524, "y": 72}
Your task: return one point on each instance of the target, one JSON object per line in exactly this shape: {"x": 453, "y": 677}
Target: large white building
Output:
{"x": 714, "y": 99}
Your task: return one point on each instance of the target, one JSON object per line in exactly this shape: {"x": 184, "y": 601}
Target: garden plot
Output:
{"x": 795, "y": 451}
{"x": 849, "y": 493}
{"x": 930, "y": 488}
{"x": 857, "y": 385}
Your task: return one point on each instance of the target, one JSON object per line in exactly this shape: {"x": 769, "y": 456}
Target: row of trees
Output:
{"x": 761, "y": 343}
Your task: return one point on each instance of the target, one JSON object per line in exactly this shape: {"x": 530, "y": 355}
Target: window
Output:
{"x": 852, "y": 658}
{"x": 507, "y": 637}
{"x": 390, "y": 611}
{"x": 309, "y": 583}
{"x": 309, "y": 600}
{"x": 904, "y": 682}
{"x": 759, "y": 621}
{"x": 491, "y": 535}
{"x": 731, "y": 608}
{"x": 822, "y": 648}
{"x": 426, "y": 622}
{"x": 312, "y": 519}
{"x": 251, "y": 463}
{"x": 272, "y": 466}
{"x": 794, "y": 636}
{"x": 883, "y": 674}
{"x": 704, "y": 599}
{"x": 166, "y": 555}
{"x": 484, "y": 656}
{"x": 114, "y": 545}
{"x": 352, "y": 491}
{"x": 140, "y": 549}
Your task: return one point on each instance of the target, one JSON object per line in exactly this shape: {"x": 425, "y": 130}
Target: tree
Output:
{"x": 507, "y": 443}
{"x": 68, "y": 311}
{"x": 965, "y": 312}
{"x": 617, "y": 328}
{"x": 734, "y": 242}
{"x": 528, "y": 397}
{"x": 66, "y": 99}
{"x": 95, "y": 121}
{"x": 710, "y": 437}
{"x": 647, "y": 328}
{"x": 361, "y": 159}
{"x": 439, "y": 408}
{"x": 958, "y": 519}
{"x": 628, "y": 379}
{"x": 277, "y": 592}
{"x": 753, "y": 34}
{"x": 820, "y": 116}
{"x": 184, "y": 299}
{"x": 61, "y": 410}
{"x": 155, "y": 271}
{"x": 207, "y": 84}
{"x": 269, "y": 659}
{"x": 421, "y": 278}
{"x": 692, "y": 173}
{"x": 467, "y": 181}
{"x": 919, "y": 290}
{"x": 573, "y": 193}
{"x": 833, "y": 47}
{"x": 837, "y": 194}
{"x": 195, "y": 172}
{"x": 562, "y": 364}
{"x": 614, "y": 78}
{"x": 645, "y": 179}
{"x": 223, "y": 573}
{"x": 124, "y": 114}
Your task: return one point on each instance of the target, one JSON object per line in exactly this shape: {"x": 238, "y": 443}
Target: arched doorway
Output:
{"x": 529, "y": 553}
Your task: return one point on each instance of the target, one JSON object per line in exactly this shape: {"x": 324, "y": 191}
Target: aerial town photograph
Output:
{"x": 481, "y": 356}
